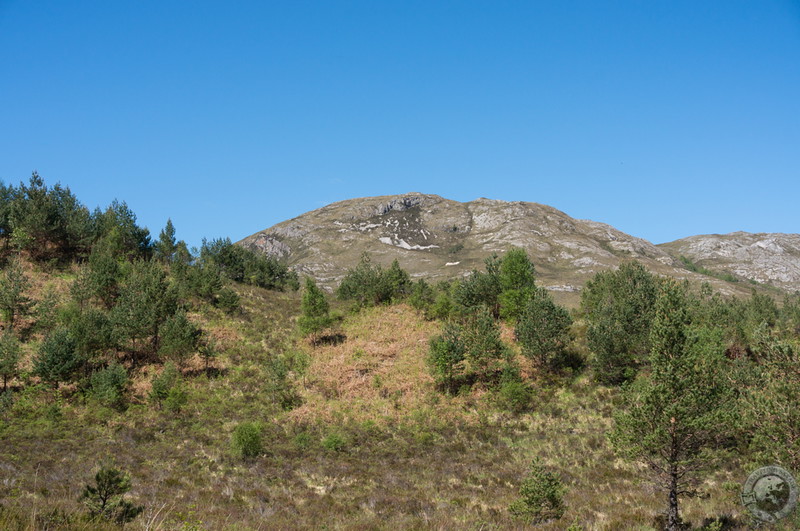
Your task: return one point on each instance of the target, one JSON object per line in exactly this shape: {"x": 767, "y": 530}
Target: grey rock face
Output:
{"x": 766, "y": 258}
{"x": 437, "y": 238}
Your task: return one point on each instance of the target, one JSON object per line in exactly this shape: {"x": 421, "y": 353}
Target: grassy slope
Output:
{"x": 373, "y": 446}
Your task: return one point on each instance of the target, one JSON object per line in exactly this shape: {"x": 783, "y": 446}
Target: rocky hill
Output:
{"x": 772, "y": 259}
{"x": 437, "y": 238}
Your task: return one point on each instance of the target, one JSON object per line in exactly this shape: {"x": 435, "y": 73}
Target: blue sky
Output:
{"x": 664, "y": 119}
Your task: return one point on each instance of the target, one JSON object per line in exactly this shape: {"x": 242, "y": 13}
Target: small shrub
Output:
{"x": 246, "y": 441}
{"x": 163, "y": 383}
{"x": 108, "y": 385}
{"x": 106, "y": 498}
{"x": 334, "y": 442}
{"x": 541, "y": 496}
{"x": 176, "y": 399}
{"x": 515, "y": 396}
{"x": 228, "y": 300}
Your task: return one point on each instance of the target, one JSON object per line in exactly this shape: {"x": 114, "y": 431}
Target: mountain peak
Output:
{"x": 438, "y": 238}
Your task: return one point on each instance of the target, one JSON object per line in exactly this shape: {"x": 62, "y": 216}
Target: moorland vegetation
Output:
{"x": 155, "y": 386}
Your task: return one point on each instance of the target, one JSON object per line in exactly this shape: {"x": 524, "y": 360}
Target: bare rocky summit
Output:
{"x": 437, "y": 239}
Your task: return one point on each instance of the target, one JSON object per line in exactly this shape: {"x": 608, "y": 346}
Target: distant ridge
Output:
{"x": 438, "y": 238}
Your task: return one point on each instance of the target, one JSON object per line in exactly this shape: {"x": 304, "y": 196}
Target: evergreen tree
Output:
{"x": 9, "y": 357}
{"x": 57, "y": 359}
{"x": 679, "y": 413}
{"x": 106, "y": 498}
{"x": 179, "y": 338}
{"x": 166, "y": 246}
{"x": 446, "y": 357}
{"x": 145, "y": 302}
{"x": 485, "y": 352}
{"x": 13, "y": 301}
{"x": 480, "y": 289}
{"x": 543, "y": 330}
{"x": 315, "y": 310}
{"x": 517, "y": 279}
{"x": 619, "y": 308}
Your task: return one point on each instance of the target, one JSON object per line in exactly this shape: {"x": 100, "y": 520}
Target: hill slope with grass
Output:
{"x": 147, "y": 386}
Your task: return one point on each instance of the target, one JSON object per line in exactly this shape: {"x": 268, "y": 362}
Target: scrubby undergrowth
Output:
{"x": 360, "y": 439}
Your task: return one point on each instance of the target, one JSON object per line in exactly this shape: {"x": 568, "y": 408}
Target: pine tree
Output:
{"x": 9, "y": 357}
{"x": 106, "y": 498}
{"x": 619, "y": 308}
{"x": 517, "y": 278}
{"x": 13, "y": 301}
{"x": 681, "y": 411}
{"x": 316, "y": 314}
{"x": 166, "y": 245}
{"x": 543, "y": 330}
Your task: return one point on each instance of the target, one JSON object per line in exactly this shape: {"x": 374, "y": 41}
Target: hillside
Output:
{"x": 437, "y": 239}
{"x": 765, "y": 258}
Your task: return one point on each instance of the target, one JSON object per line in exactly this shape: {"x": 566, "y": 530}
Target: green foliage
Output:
{"x": 208, "y": 351}
{"x": 106, "y": 498}
{"x": 9, "y": 357}
{"x": 543, "y": 330}
{"x": 57, "y": 359}
{"x": 163, "y": 384}
{"x": 541, "y": 496}
{"x": 108, "y": 385}
{"x": 619, "y": 307}
{"x": 515, "y": 396}
{"x": 246, "y": 266}
{"x": 422, "y": 296}
{"x": 246, "y": 441}
{"x": 479, "y": 289}
{"x": 145, "y": 302}
{"x": 315, "y": 310}
{"x": 368, "y": 284}
{"x": 227, "y": 300}
{"x": 179, "y": 338}
{"x": 517, "y": 278}
{"x": 47, "y": 222}
{"x": 771, "y": 398}
{"x": 119, "y": 235}
{"x": 678, "y": 414}
{"x": 334, "y": 442}
{"x": 691, "y": 266}
{"x": 468, "y": 352}
{"x": 485, "y": 352}
{"x": 13, "y": 285}
{"x": 102, "y": 277}
{"x": 164, "y": 249}
{"x": 446, "y": 357}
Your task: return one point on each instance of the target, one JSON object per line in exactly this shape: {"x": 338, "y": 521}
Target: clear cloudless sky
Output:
{"x": 663, "y": 118}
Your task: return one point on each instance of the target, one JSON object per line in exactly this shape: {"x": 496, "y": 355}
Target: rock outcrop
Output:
{"x": 437, "y": 239}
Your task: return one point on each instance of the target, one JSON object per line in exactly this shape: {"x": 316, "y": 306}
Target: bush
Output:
{"x": 334, "y": 442}
{"x": 515, "y": 396}
{"x": 108, "y": 385}
{"x": 228, "y": 300}
{"x": 541, "y": 496}
{"x": 246, "y": 441}
{"x": 163, "y": 384}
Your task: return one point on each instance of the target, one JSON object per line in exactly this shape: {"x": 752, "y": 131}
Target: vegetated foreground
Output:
{"x": 146, "y": 386}
{"x": 374, "y": 445}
